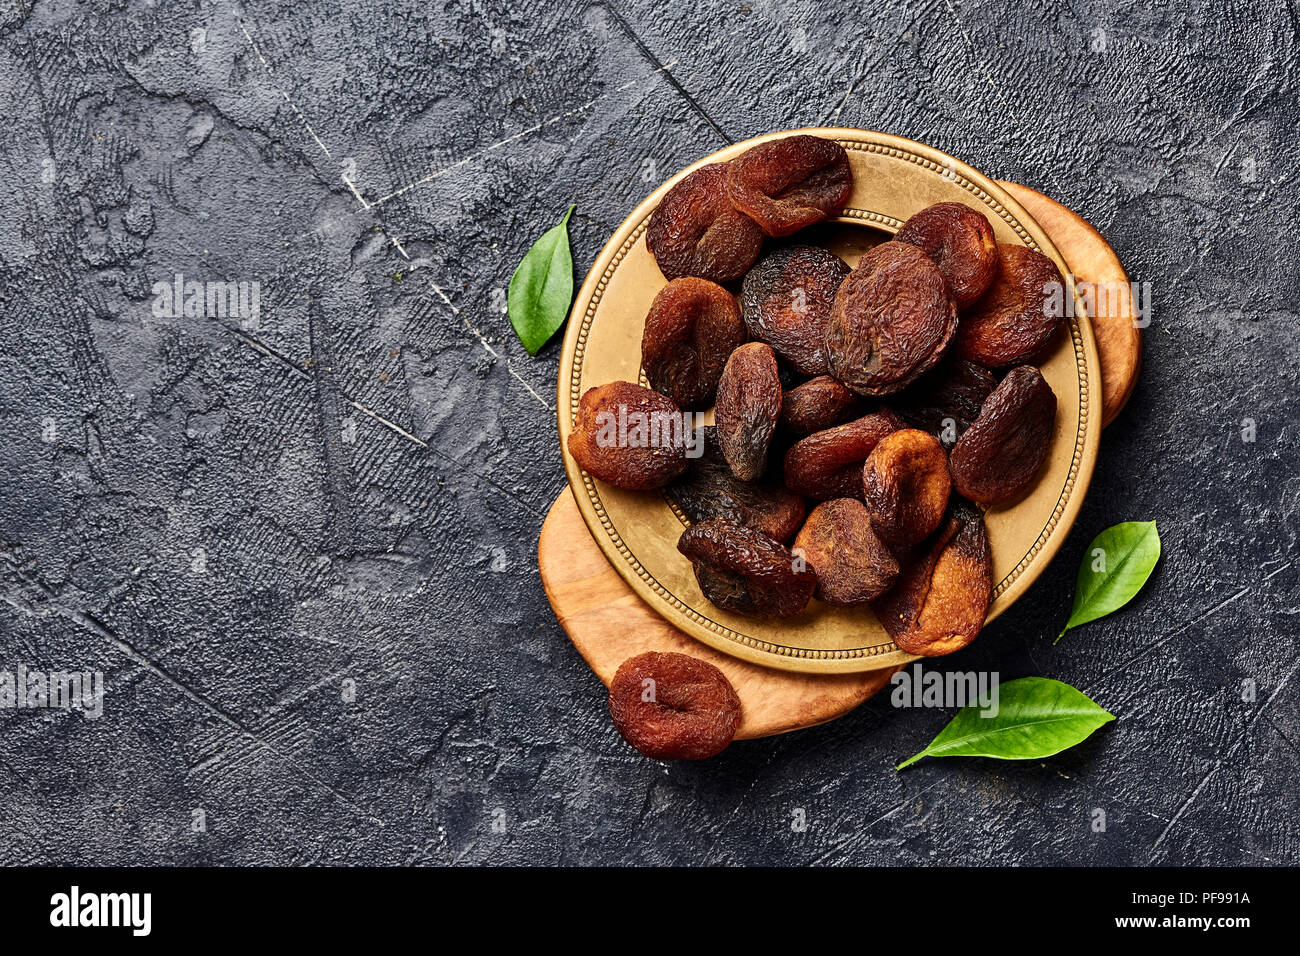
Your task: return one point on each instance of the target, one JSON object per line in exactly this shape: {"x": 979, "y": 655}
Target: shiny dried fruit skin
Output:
{"x": 1015, "y": 321}
{"x": 673, "y": 706}
{"x": 998, "y": 458}
{"x": 786, "y": 300}
{"x": 749, "y": 406}
{"x": 828, "y": 464}
{"x": 892, "y": 321}
{"x": 960, "y": 241}
{"x": 708, "y": 489}
{"x": 742, "y": 570}
{"x": 692, "y": 327}
{"x": 941, "y": 599}
{"x": 648, "y": 451}
{"x": 853, "y": 566}
{"x": 905, "y": 486}
{"x": 696, "y": 231}
{"x": 818, "y": 404}
{"x": 788, "y": 184}
{"x": 946, "y": 401}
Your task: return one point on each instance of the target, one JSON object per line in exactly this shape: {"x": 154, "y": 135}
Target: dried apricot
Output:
{"x": 629, "y": 436}
{"x": 708, "y": 489}
{"x": 786, "y": 299}
{"x": 905, "y": 486}
{"x": 787, "y": 184}
{"x": 891, "y": 322}
{"x": 853, "y": 566}
{"x": 743, "y": 570}
{"x": 749, "y": 406}
{"x": 947, "y": 400}
{"x": 828, "y": 464}
{"x": 998, "y": 457}
{"x": 696, "y": 231}
{"x": 1015, "y": 321}
{"x": 941, "y": 599}
{"x": 673, "y": 706}
{"x": 818, "y": 404}
{"x": 692, "y": 327}
{"x": 960, "y": 241}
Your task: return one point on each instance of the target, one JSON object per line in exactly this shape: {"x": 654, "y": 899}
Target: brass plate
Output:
{"x": 638, "y": 531}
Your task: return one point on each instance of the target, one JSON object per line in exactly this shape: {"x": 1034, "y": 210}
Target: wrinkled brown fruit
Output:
{"x": 749, "y": 406}
{"x": 942, "y": 598}
{"x": 853, "y": 566}
{"x": 946, "y": 401}
{"x": 786, "y": 301}
{"x": 891, "y": 322}
{"x": 1015, "y": 321}
{"x": 790, "y": 183}
{"x": 905, "y": 486}
{"x": 818, "y": 404}
{"x": 742, "y": 570}
{"x": 998, "y": 458}
{"x": 708, "y": 489}
{"x": 696, "y": 231}
{"x": 692, "y": 327}
{"x": 673, "y": 706}
{"x": 828, "y": 464}
{"x": 629, "y": 436}
{"x": 960, "y": 241}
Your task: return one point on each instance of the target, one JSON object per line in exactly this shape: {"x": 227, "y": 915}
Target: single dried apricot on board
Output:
{"x": 828, "y": 464}
{"x": 786, "y": 299}
{"x": 742, "y": 570}
{"x": 818, "y": 404}
{"x": 891, "y": 322}
{"x": 629, "y": 436}
{"x": 708, "y": 489}
{"x": 946, "y": 401}
{"x": 749, "y": 406}
{"x": 692, "y": 327}
{"x": 905, "y": 486}
{"x": 941, "y": 599}
{"x": 673, "y": 706}
{"x": 960, "y": 241}
{"x": 790, "y": 183}
{"x": 853, "y": 566}
{"x": 998, "y": 458}
{"x": 696, "y": 231}
{"x": 1015, "y": 321}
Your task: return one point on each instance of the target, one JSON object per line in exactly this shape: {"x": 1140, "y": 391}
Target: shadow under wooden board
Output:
{"x": 608, "y": 623}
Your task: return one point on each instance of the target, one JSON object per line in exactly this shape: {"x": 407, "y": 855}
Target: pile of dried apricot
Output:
{"x": 866, "y": 416}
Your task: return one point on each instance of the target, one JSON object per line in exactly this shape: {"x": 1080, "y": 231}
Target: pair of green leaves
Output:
{"x": 542, "y": 287}
{"x": 1036, "y": 717}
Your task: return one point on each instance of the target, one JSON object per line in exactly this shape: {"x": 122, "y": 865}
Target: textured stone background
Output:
{"x": 232, "y": 522}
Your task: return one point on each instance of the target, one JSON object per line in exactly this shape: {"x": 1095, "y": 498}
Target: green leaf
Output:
{"x": 1117, "y": 564}
{"x": 1036, "y": 717}
{"x": 541, "y": 289}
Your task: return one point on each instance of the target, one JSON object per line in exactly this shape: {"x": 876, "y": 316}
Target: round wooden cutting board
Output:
{"x": 608, "y": 623}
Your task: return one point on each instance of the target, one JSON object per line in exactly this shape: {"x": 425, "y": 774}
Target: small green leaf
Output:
{"x": 541, "y": 289}
{"x": 1117, "y": 564}
{"x": 1036, "y": 717}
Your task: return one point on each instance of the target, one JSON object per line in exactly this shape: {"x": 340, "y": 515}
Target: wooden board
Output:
{"x": 1091, "y": 259}
{"x": 608, "y": 623}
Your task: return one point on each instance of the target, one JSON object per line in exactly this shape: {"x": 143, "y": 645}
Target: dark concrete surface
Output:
{"x": 238, "y": 525}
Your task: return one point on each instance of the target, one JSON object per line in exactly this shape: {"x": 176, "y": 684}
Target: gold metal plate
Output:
{"x": 638, "y": 531}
